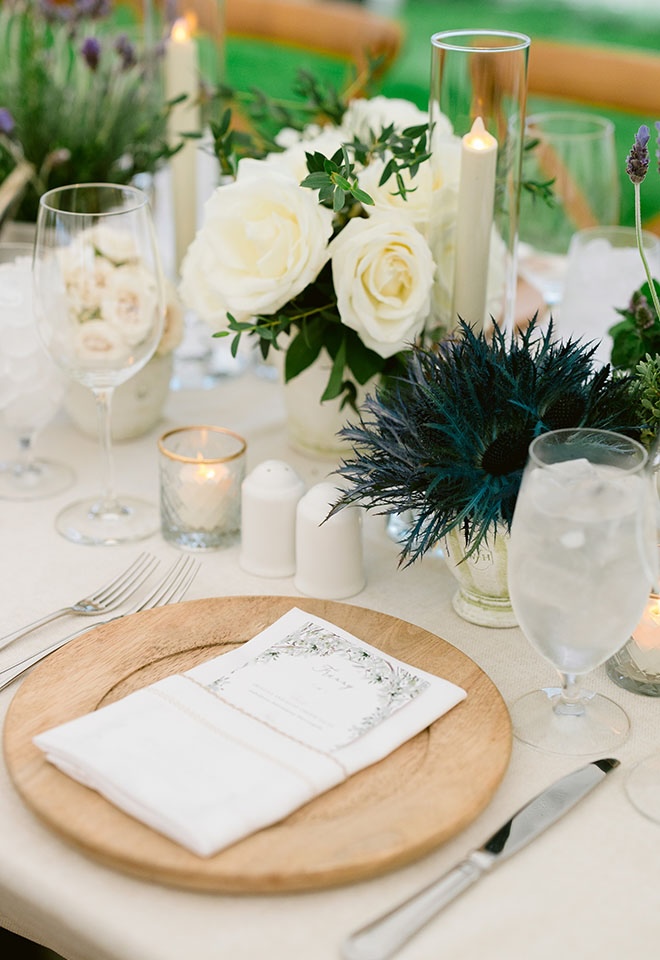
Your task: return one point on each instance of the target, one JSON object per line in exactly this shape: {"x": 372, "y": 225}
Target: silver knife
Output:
{"x": 382, "y": 937}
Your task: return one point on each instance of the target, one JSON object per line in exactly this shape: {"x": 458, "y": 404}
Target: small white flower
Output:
{"x": 383, "y": 274}
{"x": 100, "y": 343}
{"x": 116, "y": 245}
{"x": 371, "y": 115}
{"x": 419, "y": 206}
{"x": 264, "y": 239}
{"x": 174, "y": 321}
{"x": 130, "y": 303}
{"x": 293, "y": 160}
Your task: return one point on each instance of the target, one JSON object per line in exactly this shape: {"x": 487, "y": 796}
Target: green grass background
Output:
{"x": 250, "y": 63}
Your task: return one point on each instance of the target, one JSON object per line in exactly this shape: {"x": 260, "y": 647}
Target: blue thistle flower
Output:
{"x": 637, "y": 162}
{"x": 91, "y": 51}
{"x": 7, "y": 123}
{"x": 449, "y": 439}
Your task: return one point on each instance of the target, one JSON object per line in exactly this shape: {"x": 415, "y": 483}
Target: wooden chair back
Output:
{"x": 613, "y": 77}
{"x": 338, "y": 27}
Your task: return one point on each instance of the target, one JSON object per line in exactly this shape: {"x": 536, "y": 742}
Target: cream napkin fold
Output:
{"x": 236, "y": 744}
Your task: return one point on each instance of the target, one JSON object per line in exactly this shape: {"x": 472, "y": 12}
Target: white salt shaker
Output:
{"x": 269, "y": 497}
{"x": 329, "y": 556}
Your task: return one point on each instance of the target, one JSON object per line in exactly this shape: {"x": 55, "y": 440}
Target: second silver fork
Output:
{"x": 106, "y": 599}
{"x": 170, "y": 589}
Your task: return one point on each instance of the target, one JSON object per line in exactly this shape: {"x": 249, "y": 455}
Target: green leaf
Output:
{"x": 303, "y": 350}
{"x": 360, "y": 360}
{"x": 315, "y": 181}
{"x": 334, "y": 385}
{"x": 338, "y": 200}
{"x": 341, "y": 182}
{"x": 362, "y": 196}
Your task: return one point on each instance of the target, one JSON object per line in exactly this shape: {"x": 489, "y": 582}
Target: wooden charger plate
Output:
{"x": 388, "y": 814}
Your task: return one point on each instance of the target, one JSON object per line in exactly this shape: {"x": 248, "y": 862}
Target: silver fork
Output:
{"x": 104, "y": 600}
{"x": 170, "y": 589}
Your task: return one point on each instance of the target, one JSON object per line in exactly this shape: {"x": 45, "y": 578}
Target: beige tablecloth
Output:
{"x": 589, "y": 887}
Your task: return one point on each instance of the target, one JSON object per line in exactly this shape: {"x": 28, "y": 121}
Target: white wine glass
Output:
{"x": 582, "y": 559}
{"x": 576, "y": 152}
{"x": 31, "y": 386}
{"x": 99, "y": 304}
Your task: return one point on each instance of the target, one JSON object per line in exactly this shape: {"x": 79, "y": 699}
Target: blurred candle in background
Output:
{"x": 182, "y": 77}
{"x": 474, "y": 224}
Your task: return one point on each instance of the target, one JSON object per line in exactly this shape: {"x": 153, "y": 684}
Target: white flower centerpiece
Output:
{"x": 336, "y": 242}
{"x": 109, "y": 310}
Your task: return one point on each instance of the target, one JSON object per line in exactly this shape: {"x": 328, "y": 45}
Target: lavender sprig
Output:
{"x": 637, "y": 165}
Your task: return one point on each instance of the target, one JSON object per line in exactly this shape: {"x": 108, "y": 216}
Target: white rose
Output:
{"x": 264, "y": 239}
{"x": 172, "y": 334}
{"x": 383, "y": 274}
{"x": 117, "y": 245}
{"x": 86, "y": 285}
{"x": 293, "y": 160}
{"x": 131, "y": 304}
{"x": 100, "y": 343}
{"x": 442, "y": 170}
{"x": 365, "y": 115}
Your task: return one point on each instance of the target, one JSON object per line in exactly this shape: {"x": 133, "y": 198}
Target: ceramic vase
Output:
{"x": 313, "y": 425}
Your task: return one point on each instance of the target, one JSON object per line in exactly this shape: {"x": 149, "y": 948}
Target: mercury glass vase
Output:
{"x": 483, "y": 592}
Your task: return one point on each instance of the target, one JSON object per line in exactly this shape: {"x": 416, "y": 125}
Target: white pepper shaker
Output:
{"x": 269, "y": 497}
{"x": 329, "y": 555}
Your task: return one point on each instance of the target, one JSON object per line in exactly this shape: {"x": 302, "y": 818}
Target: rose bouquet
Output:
{"x": 335, "y": 237}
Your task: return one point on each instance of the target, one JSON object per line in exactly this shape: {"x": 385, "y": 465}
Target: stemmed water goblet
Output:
{"x": 99, "y": 304}
{"x": 576, "y": 153}
{"x": 31, "y": 386}
{"x": 582, "y": 559}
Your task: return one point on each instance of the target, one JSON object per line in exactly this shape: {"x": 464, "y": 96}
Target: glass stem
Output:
{"x": 103, "y": 398}
{"x": 25, "y": 454}
{"x": 570, "y": 703}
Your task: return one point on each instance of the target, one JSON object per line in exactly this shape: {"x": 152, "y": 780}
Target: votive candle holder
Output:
{"x": 201, "y": 472}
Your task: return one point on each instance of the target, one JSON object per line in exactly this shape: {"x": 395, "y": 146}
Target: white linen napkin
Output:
{"x": 209, "y": 756}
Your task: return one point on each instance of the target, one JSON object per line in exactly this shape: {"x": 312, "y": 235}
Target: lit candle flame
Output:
{"x": 479, "y": 138}
{"x": 182, "y": 28}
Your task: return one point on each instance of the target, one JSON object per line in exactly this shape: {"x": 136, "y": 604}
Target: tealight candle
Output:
{"x": 644, "y": 646}
{"x": 474, "y": 223}
{"x": 270, "y": 496}
{"x": 201, "y": 472}
{"x": 329, "y": 555}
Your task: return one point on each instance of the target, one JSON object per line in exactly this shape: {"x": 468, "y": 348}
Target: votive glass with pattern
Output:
{"x": 201, "y": 472}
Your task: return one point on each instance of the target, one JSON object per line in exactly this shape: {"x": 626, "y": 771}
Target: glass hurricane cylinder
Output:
{"x": 477, "y": 106}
